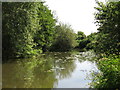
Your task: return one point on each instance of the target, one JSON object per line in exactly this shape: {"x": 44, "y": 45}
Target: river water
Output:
{"x": 50, "y": 70}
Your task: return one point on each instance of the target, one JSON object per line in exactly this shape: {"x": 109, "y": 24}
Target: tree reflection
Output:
{"x": 41, "y": 72}
{"x": 64, "y": 65}
{"x": 28, "y": 73}
{"x": 87, "y": 56}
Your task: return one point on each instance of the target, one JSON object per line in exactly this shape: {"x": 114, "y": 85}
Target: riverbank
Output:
{"x": 110, "y": 73}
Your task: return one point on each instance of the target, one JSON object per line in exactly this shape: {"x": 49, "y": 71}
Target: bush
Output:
{"x": 110, "y": 73}
{"x": 65, "y": 38}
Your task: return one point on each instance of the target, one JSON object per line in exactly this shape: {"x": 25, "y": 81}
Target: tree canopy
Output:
{"x": 108, "y": 20}
{"x": 65, "y": 38}
{"x": 26, "y": 26}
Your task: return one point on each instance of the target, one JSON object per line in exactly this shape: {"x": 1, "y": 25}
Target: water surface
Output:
{"x": 50, "y": 70}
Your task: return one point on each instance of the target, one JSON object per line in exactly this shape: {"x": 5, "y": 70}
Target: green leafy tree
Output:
{"x": 81, "y": 40}
{"x": 91, "y": 41}
{"x": 28, "y": 28}
{"x": 44, "y": 36}
{"x": 108, "y": 45}
{"x": 80, "y": 36}
{"x": 65, "y": 38}
{"x": 18, "y": 28}
{"x": 108, "y": 19}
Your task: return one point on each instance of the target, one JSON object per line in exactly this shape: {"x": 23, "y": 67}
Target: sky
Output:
{"x": 77, "y": 13}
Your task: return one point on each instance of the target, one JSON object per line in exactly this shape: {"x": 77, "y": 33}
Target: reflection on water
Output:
{"x": 51, "y": 70}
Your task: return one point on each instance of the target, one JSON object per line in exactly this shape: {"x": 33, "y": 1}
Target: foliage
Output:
{"x": 81, "y": 40}
{"x": 65, "y": 38}
{"x": 110, "y": 73}
{"x": 86, "y": 42}
{"x": 108, "y": 19}
{"x": 26, "y": 25}
{"x": 91, "y": 41}
{"x": 107, "y": 45}
{"x": 80, "y": 36}
{"x": 18, "y": 28}
{"x": 44, "y": 36}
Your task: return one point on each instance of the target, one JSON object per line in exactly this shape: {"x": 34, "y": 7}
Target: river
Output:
{"x": 50, "y": 70}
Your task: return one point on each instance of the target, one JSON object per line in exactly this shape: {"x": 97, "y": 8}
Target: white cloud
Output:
{"x": 78, "y": 13}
